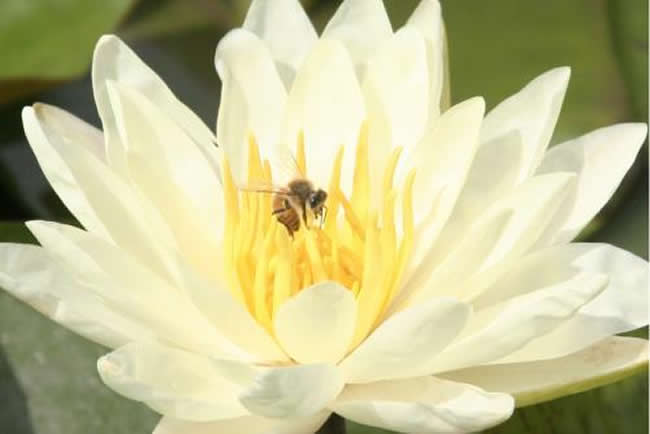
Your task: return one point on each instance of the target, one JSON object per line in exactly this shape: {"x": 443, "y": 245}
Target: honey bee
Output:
{"x": 293, "y": 202}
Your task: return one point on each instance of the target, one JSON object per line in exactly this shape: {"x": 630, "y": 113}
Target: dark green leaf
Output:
{"x": 46, "y": 41}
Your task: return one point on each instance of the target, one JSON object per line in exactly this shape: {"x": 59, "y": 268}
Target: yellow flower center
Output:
{"x": 361, "y": 251}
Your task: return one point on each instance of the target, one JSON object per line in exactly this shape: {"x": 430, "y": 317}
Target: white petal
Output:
{"x": 171, "y": 171}
{"x": 29, "y": 273}
{"x": 534, "y": 203}
{"x": 68, "y": 127}
{"x": 244, "y": 425}
{"x": 286, "y": 29}
{"x": 496, "y": 332}
{"x": 442, "y": 160}
{"x": 44, "y": 131}
{"x": 295, "y": 391}
{"x": 533, "y": 112}
{"x": 362, "y": 25}
{"x": 423, "y": 405}
{"x": 114, "y": 60}
{"x": 326, "y": 103}
{"x": 317, "y": 325}
{"x": 183, "y": 313}
{"x": 116, "y": 279}
{"x": 232, "y": 320}
{"x": 395, "y": 88}
{"x": 601, "y": 159}
{"x": 463, "y": 262}
{"x": 621, "y": 307}
{"x": 493, "y": 174}
{"x": 609, "y": 360}
{"x": 173, "y": 382}
{"x": 406, "y": 344}
{"x": 253, "y": 98}
{"x": 427, "y": 19}
{"x": 130, "y": 220}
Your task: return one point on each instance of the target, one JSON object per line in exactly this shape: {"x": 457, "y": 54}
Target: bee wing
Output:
{"x": 263, "y": 186}
{"x": 284, "y": 169}
{"x": 284, "y": 166}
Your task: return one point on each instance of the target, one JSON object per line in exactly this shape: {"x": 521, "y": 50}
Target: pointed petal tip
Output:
{"x": 110, "y": 365}
{"x": 639, "y": 129}
{"x": 559, "y": 75}
{"x": 28, "y": 110}
{"x": 106, "y": 40}
{"x": 106, "y": 43}
{"x": 479, "y": 102}
{"x": 473, "y": 107}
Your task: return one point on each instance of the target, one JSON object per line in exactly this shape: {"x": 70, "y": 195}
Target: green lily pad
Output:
{"x": 44, "y": 42}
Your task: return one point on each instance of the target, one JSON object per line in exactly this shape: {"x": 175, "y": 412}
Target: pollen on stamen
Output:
{"x": 358, "y": 245}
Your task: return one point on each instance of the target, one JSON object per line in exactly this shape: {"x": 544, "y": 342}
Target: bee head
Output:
{"x": 317, "y": 199}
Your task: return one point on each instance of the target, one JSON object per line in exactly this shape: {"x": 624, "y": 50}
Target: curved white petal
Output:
{"x": 114, "y": 60}
{"x": 173, "y": 382}
{"x": 121, "y": 282}
{"x": 442, "y": 159}
{"x": 130, "y": 219}
{"x": 362, "y": 25}
{"x": 325, "y": 103}
{"x": 230, "y": 317}
{"x": 465, "y": 260}
{"x": 171, "y": 171}
{"x": 533, "y": 203}
{"x": 496, "y": 332}
{"x": 427, "y": 19}
{"x": 493, "y": 174}
{"x": 317, "y": 325}
{"x": 533, "y": 111}
{"x": 395, "y": 89}
{"x": 141, "y": 289}
{"x": 423, "y": 405}
{"x": 253, "y": 98}
{"x": 286, "y": 29}
{"x": 621, "y": 307}
{"x": 67, "y": 126}
{"x": 607, "y": 361}
{"x": 600, "y": 159}
{"x": 30, "y": 273}
{"x": 244, "y": 425}
{"x": 406, "y": 344}
{"x": 45, "y": 131}
{"x": 294, "y": 391}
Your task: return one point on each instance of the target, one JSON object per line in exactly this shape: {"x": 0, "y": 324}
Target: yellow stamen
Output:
{"x": 333, "y": 202}
{"x": 282, "y": 279}
{"x": 361, "y": 188}
{"x": 358, "y": 246}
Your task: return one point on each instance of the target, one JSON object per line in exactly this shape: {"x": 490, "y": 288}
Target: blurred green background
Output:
{"x": 48, "y": 382}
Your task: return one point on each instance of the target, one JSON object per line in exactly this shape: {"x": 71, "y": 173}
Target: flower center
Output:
{"x": 357, "y": 246}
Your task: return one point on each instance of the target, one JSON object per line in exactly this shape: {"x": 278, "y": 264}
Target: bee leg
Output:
{"x": 304, "y": 214}
{"x": 323, "y": 216}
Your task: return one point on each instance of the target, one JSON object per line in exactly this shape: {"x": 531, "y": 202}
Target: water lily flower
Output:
{"x": 441, "y": 290}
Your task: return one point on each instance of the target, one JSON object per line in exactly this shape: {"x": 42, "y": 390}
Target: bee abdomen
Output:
{"x": 290, "y": 219}
{"x": 286, "y": 214}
